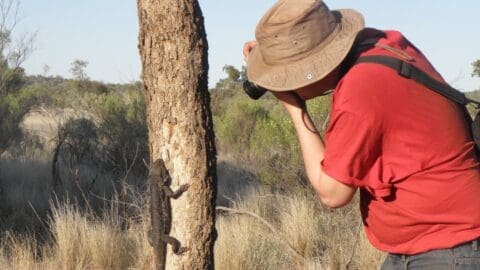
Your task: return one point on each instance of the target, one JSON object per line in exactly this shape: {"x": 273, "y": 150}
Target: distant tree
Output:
{"x": 233, "y": 80}
{"x": 235, "y": 75}
{"x": 78, "y": 70}
{"x": 76, "y": 139}
{"x": 15, "y": 101}
{"x": 243, "y": 73}
{"x": 232, "y": 72}
{"x": 46, "y": 70}
{"x": 476, "y": 68}
{"x": 227, "y": 88}
{"x": 12, "y": 53}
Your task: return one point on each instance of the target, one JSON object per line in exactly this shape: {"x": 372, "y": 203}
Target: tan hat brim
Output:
{"x": 318, "y": 64}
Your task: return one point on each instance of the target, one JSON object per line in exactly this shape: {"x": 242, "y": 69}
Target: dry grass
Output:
{"x": 325, "y": 238}
{"x": 79, "y": 242}
{"x": 72, "y": 236}
{"x": 80, "y": 239}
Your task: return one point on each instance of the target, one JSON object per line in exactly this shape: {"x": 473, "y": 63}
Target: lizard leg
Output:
{"x": 176, "y": 246}
{"x": 175, "y": 194}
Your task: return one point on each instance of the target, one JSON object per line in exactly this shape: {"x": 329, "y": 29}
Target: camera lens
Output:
{"x": 252, "y": 90}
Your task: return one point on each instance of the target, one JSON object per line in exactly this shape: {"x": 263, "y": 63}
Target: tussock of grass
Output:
{"x": 18, "y": 252}
{"x": 86, "y": 244}
{"x": 80, "y": 239}
{"x": 326, "y": 239}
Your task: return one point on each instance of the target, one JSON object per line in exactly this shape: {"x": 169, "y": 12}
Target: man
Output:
{"x": 407, "y": 148}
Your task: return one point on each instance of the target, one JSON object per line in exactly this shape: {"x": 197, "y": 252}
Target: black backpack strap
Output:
{"x": 409, "y": 71}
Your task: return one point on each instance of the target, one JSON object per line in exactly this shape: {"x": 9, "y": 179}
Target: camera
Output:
{"x": 253, "y": 91}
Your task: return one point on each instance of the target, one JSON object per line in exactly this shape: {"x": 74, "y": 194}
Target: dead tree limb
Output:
{"x": 292, "y": 250}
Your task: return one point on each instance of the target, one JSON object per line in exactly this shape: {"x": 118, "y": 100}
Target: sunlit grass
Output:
{"x": 306, "y": 235}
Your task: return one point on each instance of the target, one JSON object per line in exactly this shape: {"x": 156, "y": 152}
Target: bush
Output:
{"x": 115, "y": 139}
{"x": 13, "y": 107}
{"x": 80, "y": 140}
{"x": 236, "y": 125}
{"x": 261, "y": 136}
{"x": 123, "y": 133}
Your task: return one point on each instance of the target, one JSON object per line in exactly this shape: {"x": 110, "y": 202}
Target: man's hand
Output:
{"x": 332, "y": 192}
{"x": 247, "y": 48}
{"x": 290, "y": 100}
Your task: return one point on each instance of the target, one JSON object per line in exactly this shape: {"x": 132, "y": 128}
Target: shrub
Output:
{"x": 13, "y": 107}
{"x": 79, "y": 140}
{"x": 261, "y": 136}
{"x": 123, "y": 133}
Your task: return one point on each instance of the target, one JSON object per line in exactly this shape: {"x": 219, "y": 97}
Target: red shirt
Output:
{"x": 410, "y": 152}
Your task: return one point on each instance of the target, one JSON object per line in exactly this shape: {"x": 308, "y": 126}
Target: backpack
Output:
{"x": 409, "y": 71}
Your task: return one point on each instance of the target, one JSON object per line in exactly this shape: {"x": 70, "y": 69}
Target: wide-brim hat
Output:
{"x": 300, "y": 42}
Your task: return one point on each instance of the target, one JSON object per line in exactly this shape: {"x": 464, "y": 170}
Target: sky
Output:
{"x": 104, "y": 33}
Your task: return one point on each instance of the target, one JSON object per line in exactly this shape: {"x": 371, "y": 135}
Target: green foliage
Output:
{"x": 118, "y": 118}
{"x": 78, "y": 70}
{"x": 15, "y": 102}
{"x": 115, "y": 139}
{"x": 319, "y": 109}
{"x": 80, "y": 140}
{"x": 81, "y": 86}
{"x": 239, "y": 121}
{"x": 123, "y": 132}
{"x": 259, "y": 134}
{"x": 274, "y": 140}
{"x": 234, "y": 78}
{"x": 113, "y": 136}
{"x": 11, "y": 79}
{"x": 232, "y": 72}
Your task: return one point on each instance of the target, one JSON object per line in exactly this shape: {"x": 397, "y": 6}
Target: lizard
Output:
{"x": 161, "y": 213}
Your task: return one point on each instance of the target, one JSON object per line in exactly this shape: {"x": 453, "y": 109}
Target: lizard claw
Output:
{"x": 184, "y": 187}
{"x": 181, "y": 251}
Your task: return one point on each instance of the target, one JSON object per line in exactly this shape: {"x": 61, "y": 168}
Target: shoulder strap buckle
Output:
{"x": 405, "y": 70}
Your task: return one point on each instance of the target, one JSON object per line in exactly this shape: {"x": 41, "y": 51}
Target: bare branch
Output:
{"x": 9, "y": 12}
{"x": 460, "y": 76}
{"x": 14, "y": 52}
{"x": 268, "y": 225}
{"x": 21, "y": 50}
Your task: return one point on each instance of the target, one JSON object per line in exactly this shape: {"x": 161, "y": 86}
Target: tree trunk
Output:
{"x": 173, "y": 49}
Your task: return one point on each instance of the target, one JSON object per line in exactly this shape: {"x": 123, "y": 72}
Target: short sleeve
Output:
{"x": 353, "y": 152}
